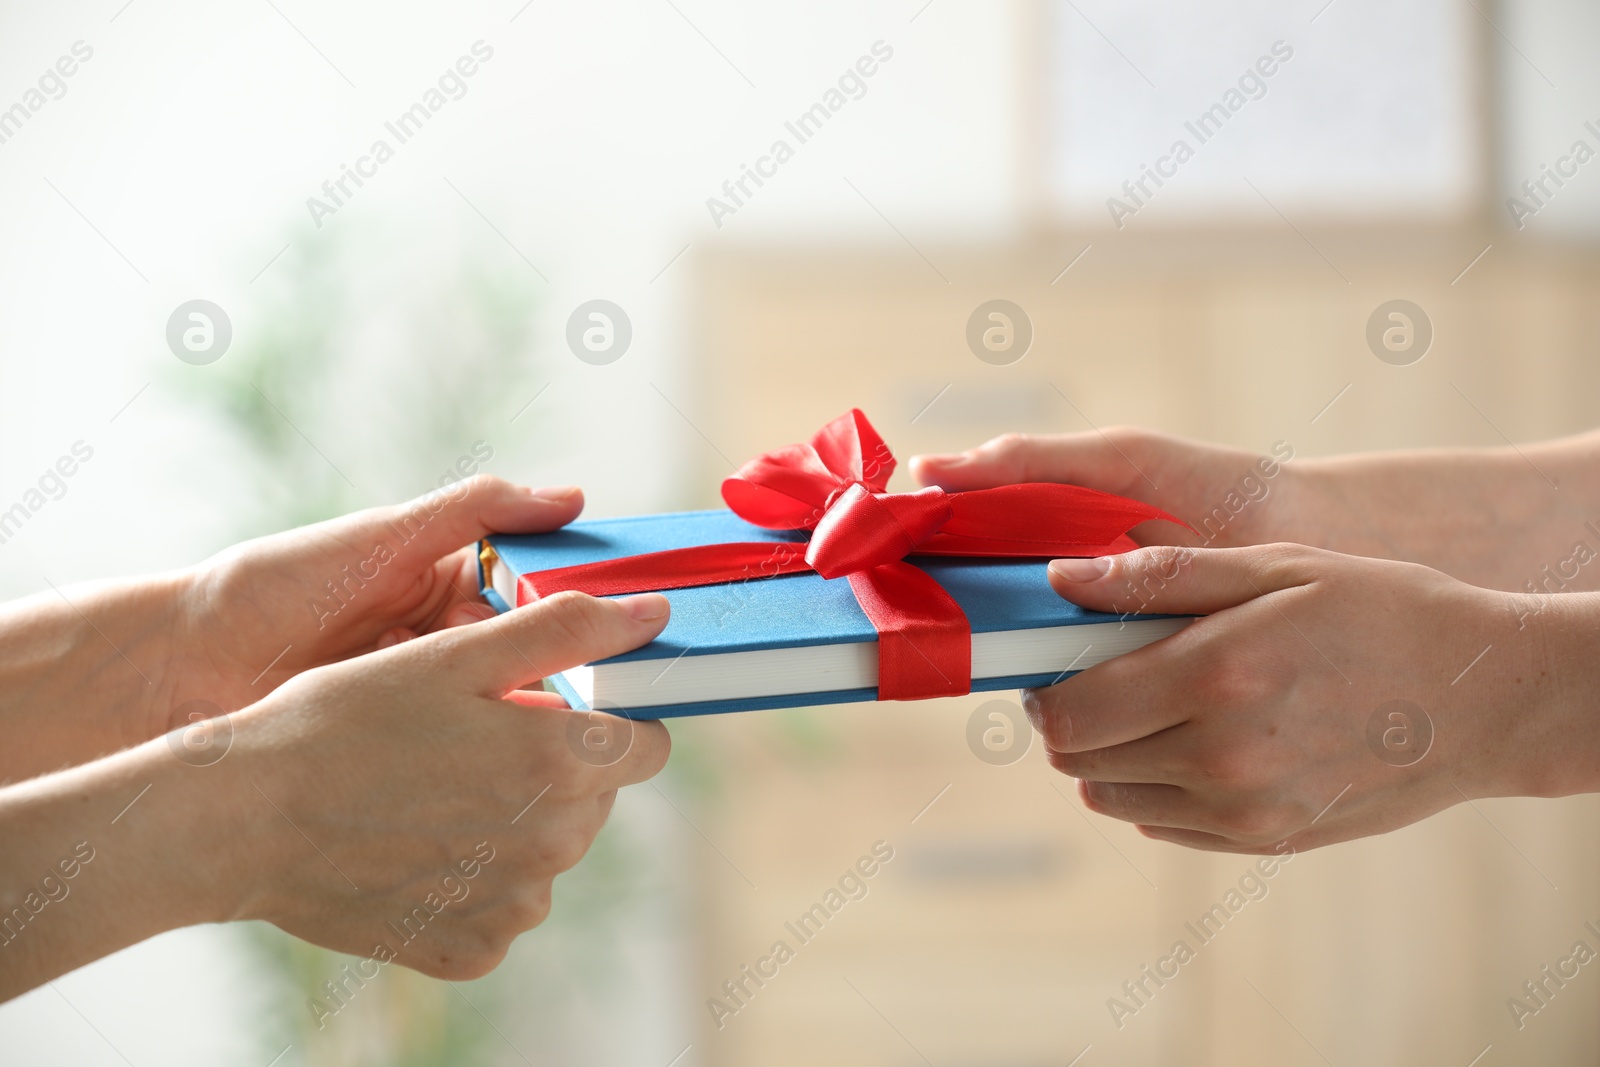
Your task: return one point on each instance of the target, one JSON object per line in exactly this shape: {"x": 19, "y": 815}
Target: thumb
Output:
{"x": 1165, "y": 579}
{"x": 443, "y": 520}
{"x": 545, "y": 638}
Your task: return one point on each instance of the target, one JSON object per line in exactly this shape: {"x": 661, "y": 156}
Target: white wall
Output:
{"x": 191, "y": 140}
{"x": 592, "y": 140}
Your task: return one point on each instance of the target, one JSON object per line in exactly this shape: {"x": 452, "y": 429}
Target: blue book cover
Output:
{"x": 801, "y": 640}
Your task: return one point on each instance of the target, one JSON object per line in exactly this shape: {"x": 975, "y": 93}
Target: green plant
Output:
{"x": 355, "y": 382}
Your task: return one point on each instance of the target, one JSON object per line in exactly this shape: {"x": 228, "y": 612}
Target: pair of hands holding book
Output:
{"x": 1334, "y": 588}
{"x": 382, "y": 755}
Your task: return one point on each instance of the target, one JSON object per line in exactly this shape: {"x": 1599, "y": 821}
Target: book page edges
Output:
{"x": 829, "y": 668}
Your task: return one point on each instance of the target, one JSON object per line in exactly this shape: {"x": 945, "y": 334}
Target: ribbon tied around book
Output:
{"x": 834, "y": 487}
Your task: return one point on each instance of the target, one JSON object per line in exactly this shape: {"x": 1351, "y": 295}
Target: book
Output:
{"x": 800, "y": 640}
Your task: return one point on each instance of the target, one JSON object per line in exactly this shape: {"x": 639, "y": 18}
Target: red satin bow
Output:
{"x": 835, "y": 487}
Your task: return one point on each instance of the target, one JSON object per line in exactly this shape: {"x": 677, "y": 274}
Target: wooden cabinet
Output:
{"x": 1009, "y": 917}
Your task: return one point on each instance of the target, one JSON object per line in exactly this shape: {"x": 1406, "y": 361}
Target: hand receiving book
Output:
{"x": 1326, "y": 695}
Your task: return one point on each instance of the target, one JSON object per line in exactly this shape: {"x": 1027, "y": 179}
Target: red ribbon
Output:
{"x": 835, "y": 487}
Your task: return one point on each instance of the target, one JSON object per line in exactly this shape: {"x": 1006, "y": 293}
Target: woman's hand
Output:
{"x": 265, "y": 610}
{"x": 409, "y": 806}
{"x": 1187, "y": 478}
{"x": 94, "y": 668}
{"x": 1492, "y": 517}
{"x": 1323, "y": 697}
{"x": 403, "y": 765}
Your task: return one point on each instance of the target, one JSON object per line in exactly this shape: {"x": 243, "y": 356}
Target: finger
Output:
{"x": 519, "y": 911}
{"x": 638, "y": 748}
{"x": 621, "y": 751}
{"x": 460, "y": 955}
{"x": 1183, "y": 581}
{"x": 1246, "y": 820}
{"x": 1160, "y": 757}
{"x": 1144, "y": 803}
{"x": 1154, "y": 688}
{"x": 1089, "y": 459}
{"x": 646, "y": 756}
{"x": 398, "y": 635}
{"x": 458, "y": 573}
{"x": 437, "y": 523}
{"x": 586, "y": 755}
{"x": 535, "y": 698}
{"x": 1198, "y": 839}
{"x": 1111, "y": 704}
{"x": 464, "y": 614}
{"x": 547, "y": 637}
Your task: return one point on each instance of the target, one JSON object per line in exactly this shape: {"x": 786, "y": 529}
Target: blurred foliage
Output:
{"x": 348, "y": 387}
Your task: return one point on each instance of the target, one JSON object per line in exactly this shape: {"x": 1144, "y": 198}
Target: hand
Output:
{"x": 1491, "y": 517}
{"x": 1230, "y": 496}
{"x": 421, "y": 770}
{"x": 1251, "y": 726}
{"x": 324, "y": 593}
{"x": 412, "y": 805}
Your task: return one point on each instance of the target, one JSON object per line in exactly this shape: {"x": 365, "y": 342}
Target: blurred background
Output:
{"x": 937, "y": 155}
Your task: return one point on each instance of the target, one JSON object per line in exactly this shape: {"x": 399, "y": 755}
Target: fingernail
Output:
{"x": 646, "y": 607}
{"x": 1080, "y": 570}
{"x": 559, "y": 494}
{"x": 946, "y": 459}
